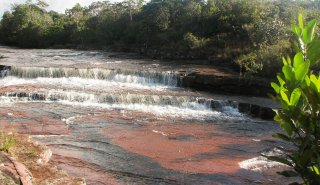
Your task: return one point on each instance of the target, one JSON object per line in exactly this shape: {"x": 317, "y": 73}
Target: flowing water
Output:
{"x": 128, "y": 121}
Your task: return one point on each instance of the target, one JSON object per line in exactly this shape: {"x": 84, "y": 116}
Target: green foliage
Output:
{"x": 7, "y": 141}
{"x": 298, "y": 92}
{"x": 228, "y": 31}
{"x": 264, "y": 60}
{"x": 194, "y": 42}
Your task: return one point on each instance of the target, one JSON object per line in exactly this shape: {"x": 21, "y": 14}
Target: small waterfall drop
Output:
{"x": 112, "y": 89}
{"x": 166, "y": 78}
{"x": 160, "y": 104}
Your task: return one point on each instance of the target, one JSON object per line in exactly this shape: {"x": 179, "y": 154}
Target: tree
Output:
{"x": 298, "y": 92}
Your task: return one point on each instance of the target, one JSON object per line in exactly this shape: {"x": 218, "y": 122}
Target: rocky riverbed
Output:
{"x": 133, "y": 121}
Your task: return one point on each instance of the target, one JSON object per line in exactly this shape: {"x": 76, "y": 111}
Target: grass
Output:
{"x": 7, "y": 141}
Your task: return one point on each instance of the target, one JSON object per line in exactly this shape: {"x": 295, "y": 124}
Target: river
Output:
{"x": 116, "y": 119}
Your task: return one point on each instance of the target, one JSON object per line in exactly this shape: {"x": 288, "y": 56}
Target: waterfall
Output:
{"x": 4, "y": 71}
{"x": 112, "y": 89}
{"x": 166, "y": 78}
{"x": 162, "y": 104}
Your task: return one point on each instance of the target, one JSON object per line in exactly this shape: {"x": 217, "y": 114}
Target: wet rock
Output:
{"x": 183, "y": 138}
{"x": 216, "y": 104}
{"x": 244, "y": 107}
{"x": 3, "y": 67}
{"x": 255, "y": 110}
{"x": 36, "y": 96}
{"x": 226, "y": 83}
{"x": 233, "y": 104}
{"x": 22, "y": 95}
{"x": 201, "y": 100}
{"x": 267, "y": 113}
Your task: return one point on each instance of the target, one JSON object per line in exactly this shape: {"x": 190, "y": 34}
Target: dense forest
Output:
{"x": 248, "y": 34}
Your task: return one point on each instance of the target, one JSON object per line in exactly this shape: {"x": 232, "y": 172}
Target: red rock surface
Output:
{"x": 78, "y": 168}
{"x": 13, "y": 120}
{"x": 192, "y": 155}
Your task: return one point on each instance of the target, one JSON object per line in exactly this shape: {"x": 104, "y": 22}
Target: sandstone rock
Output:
{"x": 45, "y": 156}
{"x": 18, "y": 170}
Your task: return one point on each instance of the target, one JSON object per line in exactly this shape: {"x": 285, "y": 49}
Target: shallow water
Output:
{"x": 126, "y": 121}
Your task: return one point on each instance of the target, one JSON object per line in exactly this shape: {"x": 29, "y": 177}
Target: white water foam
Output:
{"x": 76, "y": 82}
{"x": 261, "y": 163}
{"x": 258, "y": 164}
{"x": 170, "y": 111}
{"x": 158, "y": 105}
{"x": 138, "y": 77}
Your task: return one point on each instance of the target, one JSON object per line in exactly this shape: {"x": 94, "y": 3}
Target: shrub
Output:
{"x": 298, "y": 92}
{"x": 264, "y": 61}
{"x": 7, "y": 141}
{"x": 195, "y": 42}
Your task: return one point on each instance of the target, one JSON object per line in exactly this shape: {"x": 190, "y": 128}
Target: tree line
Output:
{"x": 249, "y": 34}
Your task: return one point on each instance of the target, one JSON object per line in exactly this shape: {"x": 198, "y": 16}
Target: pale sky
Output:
{"x": 56, "y": 5}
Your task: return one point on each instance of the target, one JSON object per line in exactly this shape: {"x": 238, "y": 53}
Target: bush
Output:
{"x": 264, "y": 61}
{"x": 298, "y": 92}
{"x": 7, "y": 141}
{"x": 195, "y": 42}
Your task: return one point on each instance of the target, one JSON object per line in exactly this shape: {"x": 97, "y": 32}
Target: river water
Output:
{"x": 115, "y": 119}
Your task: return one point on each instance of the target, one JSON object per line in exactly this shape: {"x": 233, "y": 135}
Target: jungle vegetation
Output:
{"x": 249, "y": 35}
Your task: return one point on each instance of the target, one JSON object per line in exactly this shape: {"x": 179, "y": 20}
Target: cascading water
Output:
{"x": 129, "y": 120}
{"x": 139, "y": 77}
{"x": 174, "y": 105}
{"x": 4, "y": 72}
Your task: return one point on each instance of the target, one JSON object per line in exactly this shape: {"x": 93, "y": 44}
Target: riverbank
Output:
{"x": 27, "y": 162}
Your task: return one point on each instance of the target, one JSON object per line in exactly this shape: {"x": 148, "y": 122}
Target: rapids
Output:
{"x": 129, "y": 121}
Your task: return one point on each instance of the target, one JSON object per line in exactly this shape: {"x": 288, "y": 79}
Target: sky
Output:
{"x": 56, "y": 5}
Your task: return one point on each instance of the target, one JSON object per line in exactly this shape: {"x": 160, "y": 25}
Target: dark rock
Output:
{"x": 233, "y": 104}
{"x": 201, "y": 100}
{"x": 216, "y": 104}
{"x": 255, "y": 110}
{"x": 267, "y": 113}
{"x": 22, "y": 95}
{"x": 244, "y": 107}
{"x": 226, "y": 83}
{"x": 37, "y": 96}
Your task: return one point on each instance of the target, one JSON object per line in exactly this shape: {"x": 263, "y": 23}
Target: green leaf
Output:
{"x": 288, "y": 73}
{"x": 284, "y": 61}
{"x": 300, "y": 20}
{"x": 295, "y": 97}
{"x": 316, "y": 169}
{"x": 275, "y": 87}
{"x": 298, "y": 60}
{"x": 281, "y": 81}
{"x": 296, "y": 30}
{"x": 281, "y": 136}
{"x": 284, "y": 96}
{"x": 308, "y": 32}
{"x": 301, "y": 71}
{"x": 315, "y": 83}
{"x": 285, "y": 124}
{"x": 307, "y": 80}
{"x": 313, "y": 52}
